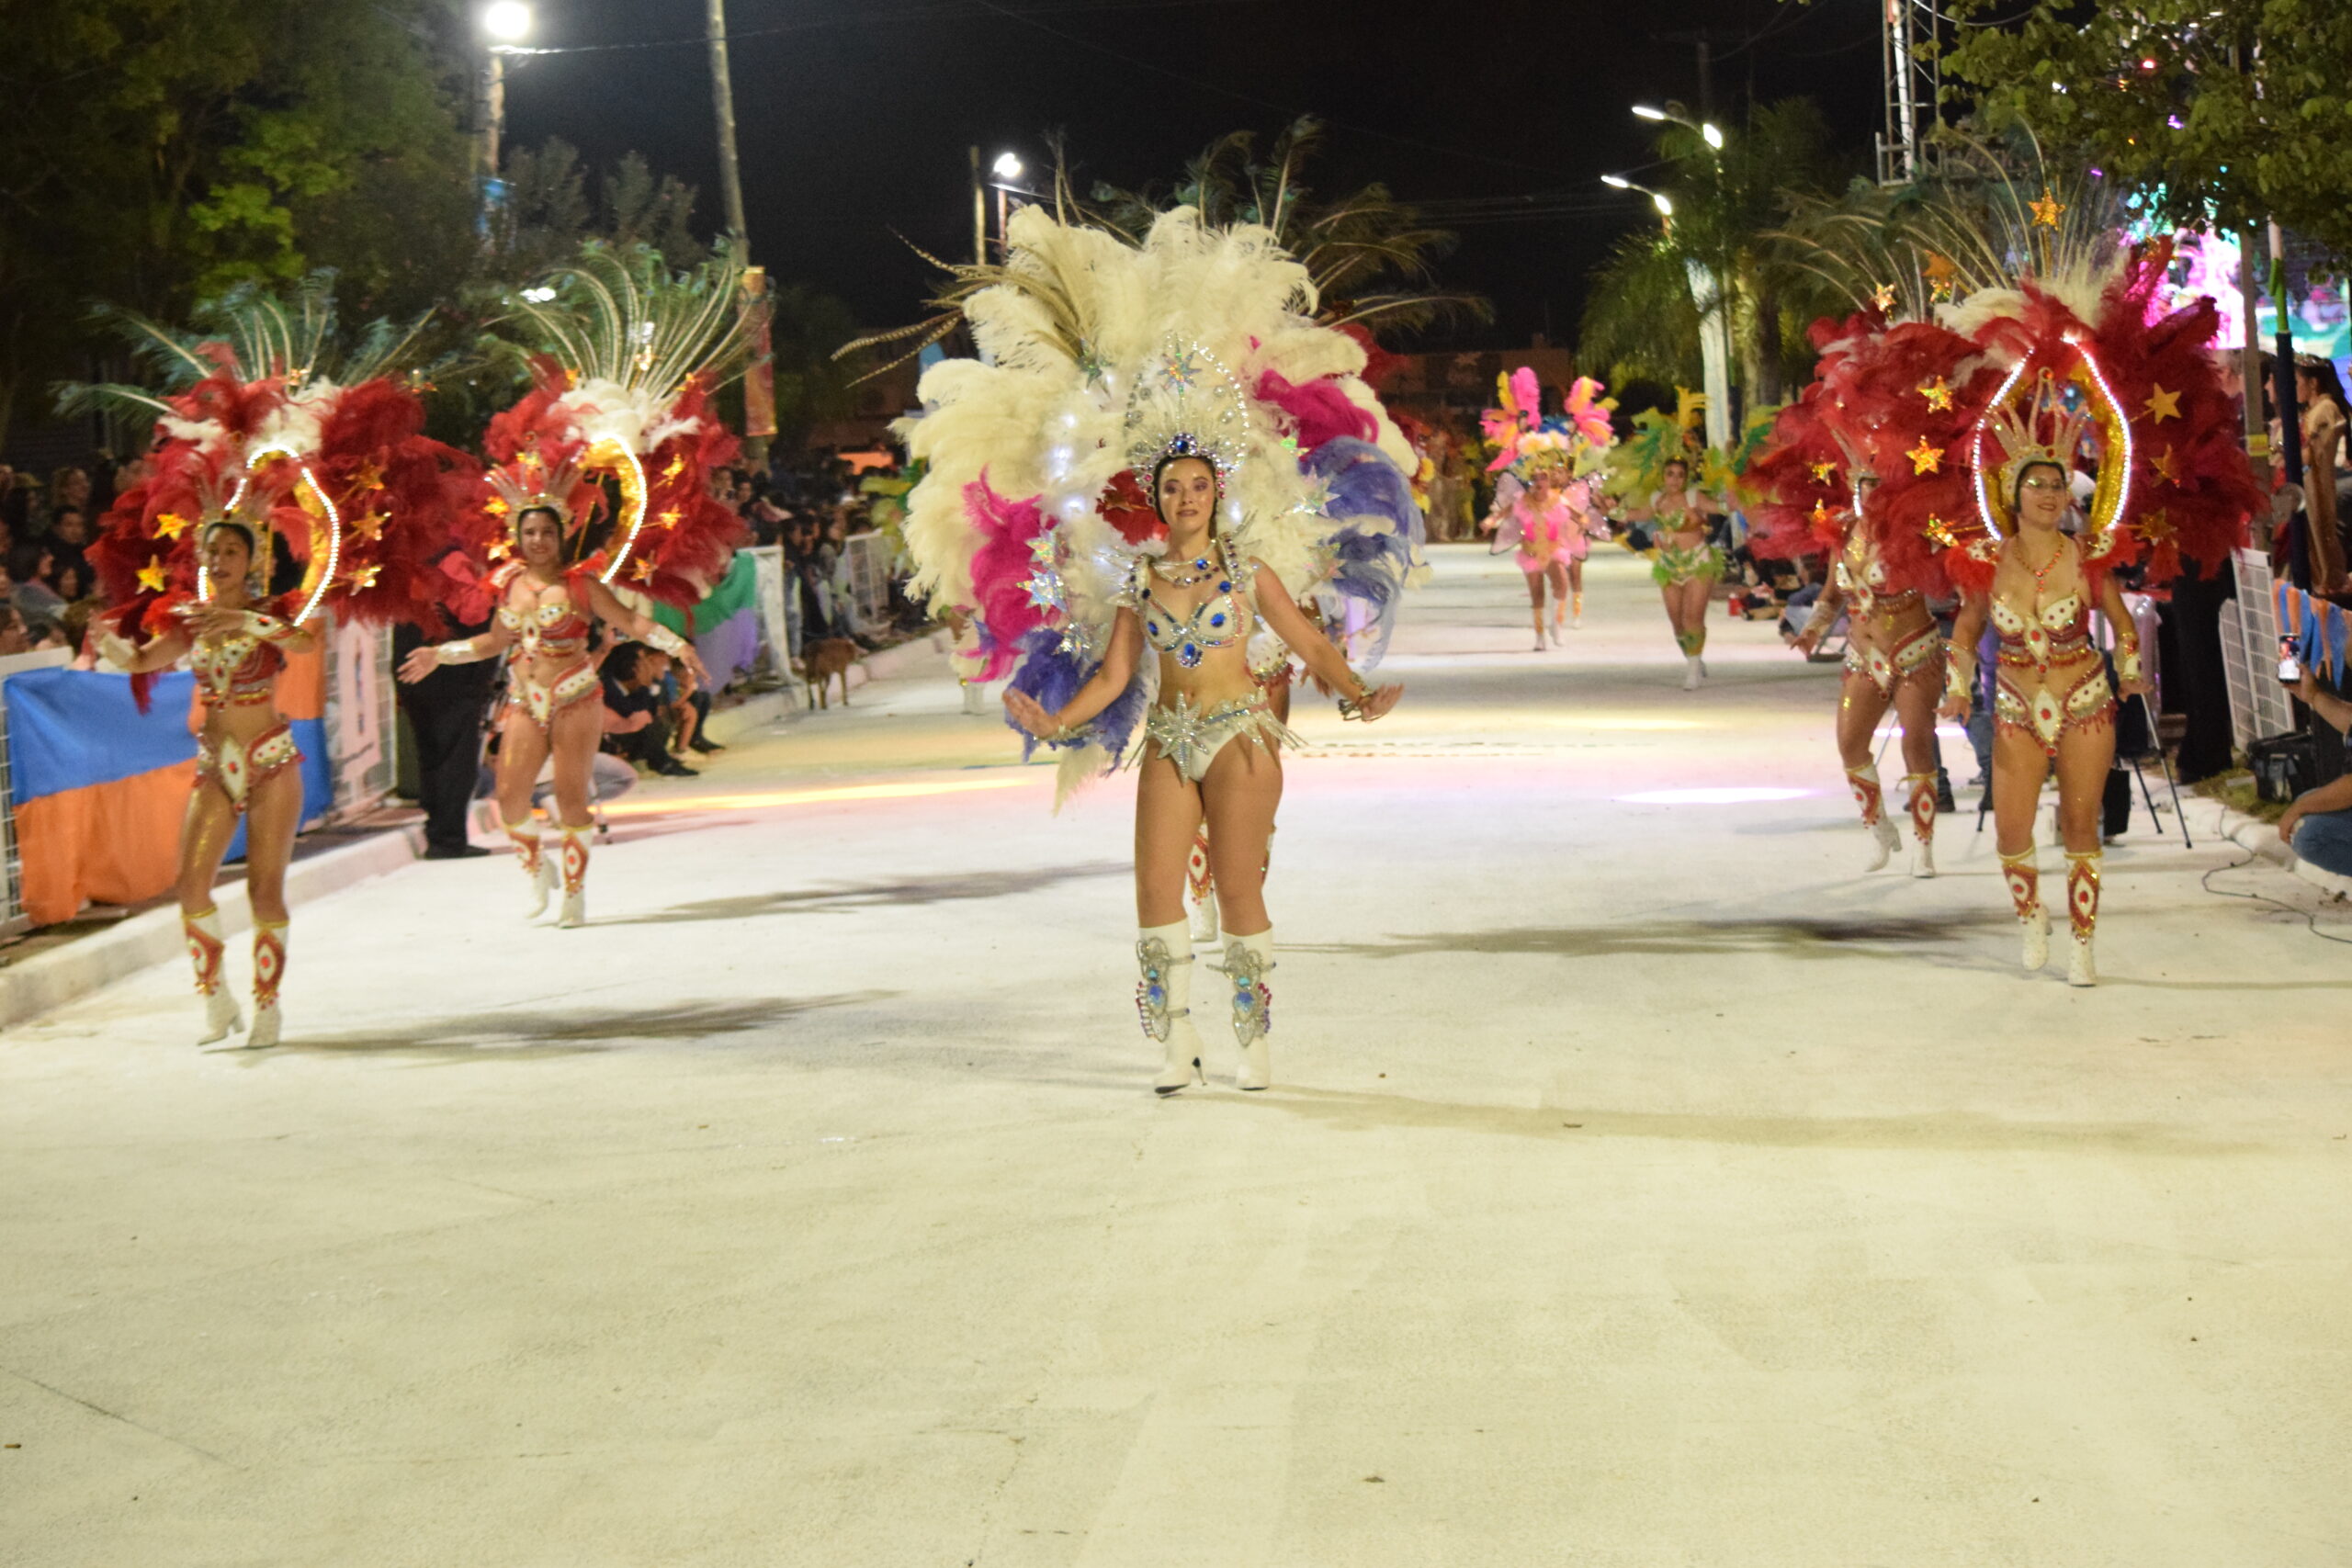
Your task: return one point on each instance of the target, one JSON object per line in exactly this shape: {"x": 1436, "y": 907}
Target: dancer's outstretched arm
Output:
{"x": 1357, "y": 699}
{"x": 424, "y": 661}
{"x": 1099, "y": 693}
{"x": 644, "y": 628}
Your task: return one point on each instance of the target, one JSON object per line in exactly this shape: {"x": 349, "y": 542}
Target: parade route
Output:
{"x": 1642, "y": 1185}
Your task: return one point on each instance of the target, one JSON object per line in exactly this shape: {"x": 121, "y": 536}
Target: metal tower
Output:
{"x": 1914, "y": 86}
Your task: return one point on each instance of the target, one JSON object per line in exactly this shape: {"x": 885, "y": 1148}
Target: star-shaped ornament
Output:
{"x": 1939, "y": 395}
{"x": 1882, "y": 297}
{"x": 1822, "y": 514}
{"x": 369, "y": 477}
{"x": 151, "y": 576}
{"x": 170, "y": 524}
{"x": 1044, "y": 591}
{"x": 2156, "y": 527}
{"x": 677, "y": 466}
{"x": 532, "y": 462}
{"x": 364, "y": 578}
{"x": 1043, "y": 550}
{"x": 1824, "y": 471}
{"x": 641, "y": 569}
{"x": 500, "y": 549}
{"x": 1091, "y": 365}
{"x": 1943, "y": 278}
{"x": 1924, "y": 458}
{"x": 2047, "y": 210}
{"x": 1183, "y": 369}
{"x": 2167, "y": 466}
{"x": 2161, "y": 405}
{"x": 670, "y": 517}
{"x": 1940, "y": 533}
{"x": 495, "y": 506}
{"x": 370, "y": 525}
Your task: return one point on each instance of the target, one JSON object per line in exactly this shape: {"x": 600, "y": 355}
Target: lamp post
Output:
{"x": 505, "y": 24}
{"x": 1714, "y": 337}
{"x": 1007, "y": 168}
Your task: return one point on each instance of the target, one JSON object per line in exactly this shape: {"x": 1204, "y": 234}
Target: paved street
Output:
{"x": 1642, "y": 1185}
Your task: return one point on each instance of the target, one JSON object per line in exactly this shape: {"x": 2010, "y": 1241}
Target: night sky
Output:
{"x": 854, "y": 115}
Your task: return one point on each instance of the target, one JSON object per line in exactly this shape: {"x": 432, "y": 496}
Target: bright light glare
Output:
{"x": 1007, "y": 166}
{"x": 1647, "y": 112}
{"x": 1617, "y": 182}
{"x": 1711, "y": 797}
{"x": 1664, "y": 208}
{"x": 905, "y": 791}
{"x": 539, "y": 296}
{"x": 1713, "y": 135}
{"x": 507, "y": 21}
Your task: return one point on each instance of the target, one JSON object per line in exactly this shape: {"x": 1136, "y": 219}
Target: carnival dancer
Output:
{"x": 1687, "y": 564}
{"x": 1532, "y": 519}
{"x": 1164, "y": 459}
{"x": 634, "y": 354}
{"x": 289, "y": 481}
{"x": 1544, "y": 510}
{"x": 547, "y": 610}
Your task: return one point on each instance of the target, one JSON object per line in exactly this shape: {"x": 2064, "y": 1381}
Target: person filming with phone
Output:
{"x": 2318, "y": 824}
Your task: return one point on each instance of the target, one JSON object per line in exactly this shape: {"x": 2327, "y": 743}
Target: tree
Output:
{"x": 155, "y": 151}
{"x": 1731, "y": 208}
{"x": 1372, "y": 258}
{"x": 547, "y": 213}
{"x": 2219, "y": 113}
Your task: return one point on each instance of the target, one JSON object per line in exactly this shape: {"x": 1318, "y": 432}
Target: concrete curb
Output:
{"x": 51, "y": 979}
{"x": 2260, "y": 840}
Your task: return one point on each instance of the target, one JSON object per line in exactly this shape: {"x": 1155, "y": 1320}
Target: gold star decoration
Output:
{"x": 1821, "y": 514}
{"x": 364, "y": 578}
{"x": 151, "y": 576}
{"x": 2162, "y": 405}
{"x": 369, "y": 477}
{"x": 677, "y": 466}
{"x": 670, "y": 518}
{"x": 1924, "y": 458}
{"x": 1940, "y": 533}
{"x": 532, "y": 462}
{"x": 1882, "y": 297}
{"x": 2046, "y": 210}
{"x": 370, "y": 525}
{"x": 641, "y": 569}
{"x": 2167, "y": 466}
{"x": 494, "y": 506}
{"x": 1939, "y": 395}
{"x": 1824, "y": 471}
{"x": 170, "y": 524}
{"x": 500, "y": 549}
{"x": 1943, "y": 278}
{"x": 2156, "y": 527}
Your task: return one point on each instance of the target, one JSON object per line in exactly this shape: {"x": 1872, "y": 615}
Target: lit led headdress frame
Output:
{"x": 1187, "y": 404}
{"x": 2031, "y": 420}
{"x": 231, "y": 497}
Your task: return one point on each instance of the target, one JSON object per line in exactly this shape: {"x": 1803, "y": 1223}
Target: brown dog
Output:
{"x": 822, "y": 661}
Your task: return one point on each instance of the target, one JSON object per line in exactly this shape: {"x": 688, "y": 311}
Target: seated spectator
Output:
{"x": 637, "y": 709}
{"x": 2318, "y": 825}
{"x": 26, "y": 584}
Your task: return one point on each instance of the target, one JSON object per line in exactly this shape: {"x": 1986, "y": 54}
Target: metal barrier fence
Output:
{"x": 869, "y": 560}
{"x": 2259, "y": 706}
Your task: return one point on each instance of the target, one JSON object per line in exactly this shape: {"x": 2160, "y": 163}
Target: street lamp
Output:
{"x": 504, "y": 25}
{"x": 1707, "y": 130}
{"x": 1659, "y": 199}
{"x": 1007, "y": 166}
{"x": 1008, "y": 169}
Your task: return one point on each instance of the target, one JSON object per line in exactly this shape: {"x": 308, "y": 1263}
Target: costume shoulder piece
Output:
{"x": 1098, "y": 358}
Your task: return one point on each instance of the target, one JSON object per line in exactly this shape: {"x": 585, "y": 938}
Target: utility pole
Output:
{"x": 722, "y": 98}
{"x": 979, "y": 214}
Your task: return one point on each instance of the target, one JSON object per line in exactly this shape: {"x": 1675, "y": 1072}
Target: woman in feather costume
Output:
{"x": 291, "y": 481}
{"x": 1656, "y": 463}
{"x": 1160, "y": 456}
{"x": 623, "y": 392}
{"x": 1543, "y": 508}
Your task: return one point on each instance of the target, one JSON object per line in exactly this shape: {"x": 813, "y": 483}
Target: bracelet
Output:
{"x": 2127, "y": 659}
{"x": 1959, "y": 675}
{"x": 663, "y": 639}
{"x": 1352, "y": 708}
{"x": 464, "y": 651}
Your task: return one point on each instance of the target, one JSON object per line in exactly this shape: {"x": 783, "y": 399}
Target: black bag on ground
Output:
{"x": 2284, "y": 766}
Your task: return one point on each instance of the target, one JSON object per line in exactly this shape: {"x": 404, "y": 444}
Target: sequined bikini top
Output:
{"x": 235, "y": 671}
{"x": 1219, "y": 621}
{"x": 552, "y": 627}
{"x": 2061, "y": 631}
{"x": 1861, "y": 575}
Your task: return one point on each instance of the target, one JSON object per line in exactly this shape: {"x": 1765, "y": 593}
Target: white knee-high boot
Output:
{"x": 1164, "y": 1002}
{"x": 269, "y": 973}
{"x": 206, "y": 948}
{"x": 575, "y": 877}
{"x": 1248, "y": 960}
{"x": 530, "y": 854}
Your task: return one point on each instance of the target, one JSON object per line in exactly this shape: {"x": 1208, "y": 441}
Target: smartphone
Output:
{"x": 2290, "y": 668}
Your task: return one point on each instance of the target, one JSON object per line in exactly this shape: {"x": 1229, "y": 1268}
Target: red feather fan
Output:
{"x": 1907, "y": 399}
{"x": 1798, "y": 484}
{"x": 689, "y": 535}
{"x": 1126, "y": 507}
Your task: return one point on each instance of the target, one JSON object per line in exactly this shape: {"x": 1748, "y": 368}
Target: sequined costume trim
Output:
{"x": 2047, "y": 712}
{"x": 1191, "y": 737}
{"x": 1918, "y": 653}
{"x": 1674, "y": 567}
{"x": 238, "y": 768}
{"x": 540, "y": 702}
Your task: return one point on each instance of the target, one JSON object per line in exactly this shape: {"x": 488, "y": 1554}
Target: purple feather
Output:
{"x": 1052, "y": 675}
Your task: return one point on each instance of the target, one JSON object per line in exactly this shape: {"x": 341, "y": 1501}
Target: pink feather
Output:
{"x": 1318, "y": 409}
{"x": 1001, "y": 569}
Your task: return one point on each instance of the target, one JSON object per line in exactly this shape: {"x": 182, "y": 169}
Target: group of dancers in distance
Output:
{"x": 1163, "y": 486}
